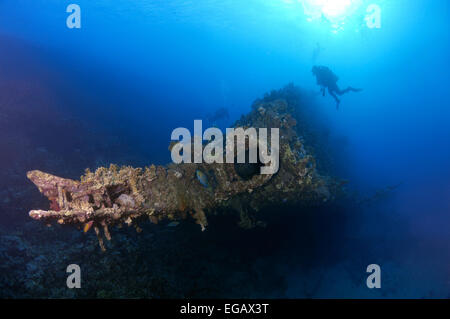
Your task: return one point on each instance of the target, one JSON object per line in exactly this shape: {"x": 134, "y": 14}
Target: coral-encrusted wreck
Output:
{"x": 112, "y": 196}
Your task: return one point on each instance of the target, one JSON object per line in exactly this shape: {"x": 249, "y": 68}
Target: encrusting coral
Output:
{"x": 118, "y": 195}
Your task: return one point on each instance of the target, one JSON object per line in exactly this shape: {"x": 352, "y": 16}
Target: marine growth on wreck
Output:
{"x": 113, "y": 196}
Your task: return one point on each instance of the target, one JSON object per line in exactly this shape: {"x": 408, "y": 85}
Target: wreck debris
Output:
{"x": 114, "y": 196}
{"x": 100, "y": 239}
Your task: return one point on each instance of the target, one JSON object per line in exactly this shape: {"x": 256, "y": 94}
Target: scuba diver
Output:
{"x": 328, "y": 80}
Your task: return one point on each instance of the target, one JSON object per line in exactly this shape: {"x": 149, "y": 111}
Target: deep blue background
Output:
{"x": 137, "y": 70}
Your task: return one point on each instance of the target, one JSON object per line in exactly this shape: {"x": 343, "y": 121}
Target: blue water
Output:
{"x": 137, "y": 70}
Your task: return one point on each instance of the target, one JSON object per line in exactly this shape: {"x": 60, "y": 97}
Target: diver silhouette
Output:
{"x": 328, "y": 80}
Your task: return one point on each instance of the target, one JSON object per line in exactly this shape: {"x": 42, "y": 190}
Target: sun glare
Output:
{"x": 334, "y": 11}
{"x": 334, "y": 7}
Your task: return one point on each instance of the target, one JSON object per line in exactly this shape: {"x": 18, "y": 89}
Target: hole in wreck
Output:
{"x": 247, "y": 170}
{"x": 68, "y": 196}
{"x": 115, "y": 191}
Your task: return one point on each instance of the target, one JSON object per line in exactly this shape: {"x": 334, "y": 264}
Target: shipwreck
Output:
{"x": 113, "y": 196}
